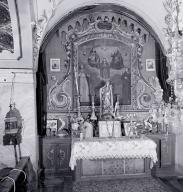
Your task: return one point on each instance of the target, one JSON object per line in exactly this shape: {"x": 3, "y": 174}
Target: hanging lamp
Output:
{"x": 13, "y": 125}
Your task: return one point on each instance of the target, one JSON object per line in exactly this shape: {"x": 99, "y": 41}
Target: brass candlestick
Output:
{"x": 116, "y": 108}
{"x": 93, "y": 116}
{"x": 78, "y": 107}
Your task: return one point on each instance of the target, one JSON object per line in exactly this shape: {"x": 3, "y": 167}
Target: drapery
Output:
{"x": 125, "y": 147}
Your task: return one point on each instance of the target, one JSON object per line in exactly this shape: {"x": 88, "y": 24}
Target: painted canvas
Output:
{"x": 100, "y": 60}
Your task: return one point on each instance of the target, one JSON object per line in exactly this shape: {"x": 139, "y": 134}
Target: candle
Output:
{"x": 93, "y": 103}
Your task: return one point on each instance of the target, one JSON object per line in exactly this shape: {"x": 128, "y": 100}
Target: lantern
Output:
{"x": 13, "y": 130}
{"x": 13, "y": 127}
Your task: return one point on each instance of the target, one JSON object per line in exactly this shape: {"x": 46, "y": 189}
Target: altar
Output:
{"x": 110, "y": 158}
{"x": 110, "y": 155}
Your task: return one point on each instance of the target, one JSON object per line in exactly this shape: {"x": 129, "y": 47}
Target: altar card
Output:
{"x": 109, "y": 128}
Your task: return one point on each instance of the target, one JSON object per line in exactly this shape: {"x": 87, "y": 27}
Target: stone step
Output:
{"x": 174, "y": 183}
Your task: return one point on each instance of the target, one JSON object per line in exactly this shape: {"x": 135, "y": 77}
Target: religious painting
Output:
{"x": 52, "y": 127}
{"x": 150, "y": 65}
{"x": 102, "y": 60}
{"x": 54, "y": 65}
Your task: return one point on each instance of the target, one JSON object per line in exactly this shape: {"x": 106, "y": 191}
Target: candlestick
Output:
{"x": 69, "y": 108}
{"x": 93, "y": 116}
{"x": 93, "y": 102}
{"x": 116, "y": 108}
{"x": 78, "y": 106}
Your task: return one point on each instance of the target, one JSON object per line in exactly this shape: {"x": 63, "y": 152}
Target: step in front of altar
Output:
{"x": 112, "y": 168}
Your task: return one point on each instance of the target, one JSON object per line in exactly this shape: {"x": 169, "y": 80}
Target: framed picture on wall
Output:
{"x": 52, "y": 126}
{"x": 150, "y": 65}
{"x": 55, "y": 64}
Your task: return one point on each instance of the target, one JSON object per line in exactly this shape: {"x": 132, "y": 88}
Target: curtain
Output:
{"x": 41, "y": 95}
{"x": 162, "y": 72}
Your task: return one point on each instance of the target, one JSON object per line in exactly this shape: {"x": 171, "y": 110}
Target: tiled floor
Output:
{"x": 169, "y": 178}
{"x": 63, "y": 184}
{"x": 172, "y": 184}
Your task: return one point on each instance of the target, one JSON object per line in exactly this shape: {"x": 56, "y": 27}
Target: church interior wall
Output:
{"x": 25, "y": 102}
{"x": 19, "y": 63}
{"x": 142, "y": 8}
{"x": 23, "y": 66}
{"x": 149, "y": 51}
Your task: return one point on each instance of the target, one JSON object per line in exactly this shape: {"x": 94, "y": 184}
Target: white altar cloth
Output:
{"x": 124, "y": 147}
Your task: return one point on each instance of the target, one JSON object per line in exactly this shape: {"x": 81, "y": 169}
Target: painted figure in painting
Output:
{"x": 83, "y": 86}
{"x": 125, "y": 85}
{"x": 106, "y": 99}
{"x": 105, "y": 60}
{"x": 117, "y": 60}
{"x": 105, "y": 69}
{"x": 93, "y": 59}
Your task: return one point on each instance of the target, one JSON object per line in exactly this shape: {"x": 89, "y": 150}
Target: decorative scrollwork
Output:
{"x": 61, "y": 156}
{"x": 105, "y": 26}
{"x": 58, "y": 97}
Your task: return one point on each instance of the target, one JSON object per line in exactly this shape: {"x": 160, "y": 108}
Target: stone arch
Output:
{"x": 59, "y": 16}
{"x": 58, "y": 19}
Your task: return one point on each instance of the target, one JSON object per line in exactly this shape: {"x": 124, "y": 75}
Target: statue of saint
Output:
{"x": 106, "y": 99}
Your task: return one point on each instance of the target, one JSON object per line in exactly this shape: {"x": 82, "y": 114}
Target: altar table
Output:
{"x": 112, "y": 157}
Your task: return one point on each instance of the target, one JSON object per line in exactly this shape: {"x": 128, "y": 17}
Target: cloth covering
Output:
{"x": 124, "y": 147}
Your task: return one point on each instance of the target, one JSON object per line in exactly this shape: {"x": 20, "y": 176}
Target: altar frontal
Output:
{"x": 116, "y": 157}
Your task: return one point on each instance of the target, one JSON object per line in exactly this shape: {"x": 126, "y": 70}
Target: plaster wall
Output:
{"x": 22, "y": 34}
{"x": 24, "y": 97}
{"x": 152, "y": 12}
{"x": 24, "y": 86}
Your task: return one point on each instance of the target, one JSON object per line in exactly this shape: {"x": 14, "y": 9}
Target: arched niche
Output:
{"x": 104, "y": 32}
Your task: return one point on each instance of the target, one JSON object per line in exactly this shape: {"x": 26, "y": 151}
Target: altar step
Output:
{"x": 172, "y": 185}
{"x": 56, "y": 184}
{"x": 65, "y": 184}
{"x": 175, "y": 184}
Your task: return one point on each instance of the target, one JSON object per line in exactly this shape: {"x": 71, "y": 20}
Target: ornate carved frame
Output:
{"x": 73, "y": 34}
{"x": 114, "y": 33}
{"x": 132, "y": 39}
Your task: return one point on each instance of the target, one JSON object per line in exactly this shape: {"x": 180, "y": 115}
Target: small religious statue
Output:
{"x": 106, "y": 100}
{"x": 87, "y": 128}
{"x": 108, "y": 126}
